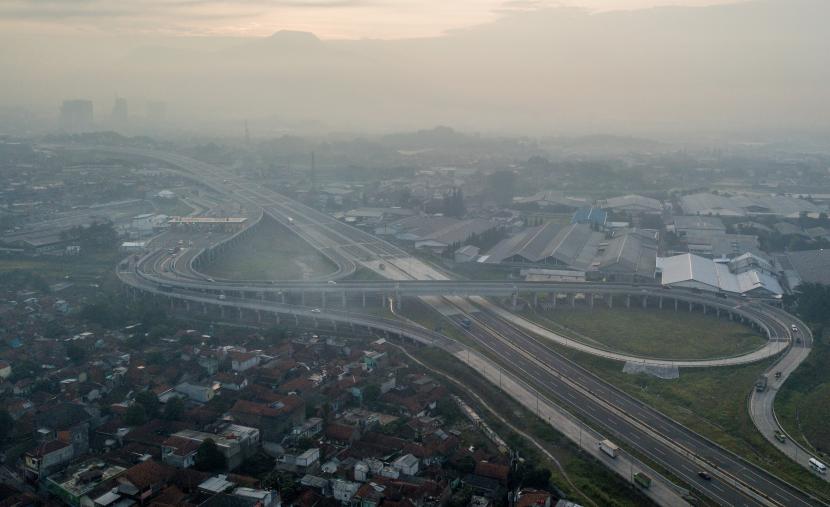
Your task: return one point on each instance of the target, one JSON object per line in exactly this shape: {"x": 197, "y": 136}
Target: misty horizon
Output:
{"x": 744, "y": 68}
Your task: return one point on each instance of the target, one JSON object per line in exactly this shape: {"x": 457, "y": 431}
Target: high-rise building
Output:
{"x": 119, "y": 112}
{"x": 76, "y": 115}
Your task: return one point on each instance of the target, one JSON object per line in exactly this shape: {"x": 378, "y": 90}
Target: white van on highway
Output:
{"x": 818, "y": 466}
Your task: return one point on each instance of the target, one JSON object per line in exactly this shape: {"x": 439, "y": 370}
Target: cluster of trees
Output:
{"x": 146, "y": 406}
{"x": 812, "y": 301}
{"x": 96, "y": 237}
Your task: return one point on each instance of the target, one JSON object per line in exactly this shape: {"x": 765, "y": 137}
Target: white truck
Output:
{"x": 608, "y": 447}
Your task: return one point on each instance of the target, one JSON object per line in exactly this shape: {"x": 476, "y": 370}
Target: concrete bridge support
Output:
{"x": 691, "y": 306}
{"x": 610, "y": 298}
{"x": 591, "y": 300}
{"x": 572, "y": 299}
{"x": 323, "y": 297}
{"x": 553, "y": 299}
{"x": 675, "y": 305}
{"x": 628, "y": 300}
{"x": 645, "y": 302}
{"x": 535, "y": 300}
{"x": 302, "y": 298}
{"x": 343, "y": 298}
{"x": 364, "y": 299}
{"x": 660, "y": 302}
{"x": 515, "y": 300}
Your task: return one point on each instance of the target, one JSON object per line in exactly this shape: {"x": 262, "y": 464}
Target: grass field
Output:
{"x": 86, "y": 268}
{"x": 652, "y": 333}
{"x": 273, "y": 253}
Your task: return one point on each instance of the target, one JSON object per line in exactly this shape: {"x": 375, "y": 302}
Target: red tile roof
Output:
{"x": 147, "y": 473}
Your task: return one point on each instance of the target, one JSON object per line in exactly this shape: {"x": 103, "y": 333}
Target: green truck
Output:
{"x": 642, "y": 480}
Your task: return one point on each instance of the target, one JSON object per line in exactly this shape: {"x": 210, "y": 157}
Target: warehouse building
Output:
{"x": 746, "y": 205}
{"x": 436, "y": 233}
{"x": 624, "y": 255}
{"x": 629, "y": 256}
{"x": 694, "y": 272}
{"x": 572, "y": 246}
{"x": 632, "y": 204}
{"x": 685, "y": 226}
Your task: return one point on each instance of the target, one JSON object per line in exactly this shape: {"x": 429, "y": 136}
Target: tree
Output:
{"x": 466, "y": 464}
{"x": 531, "y": 476}
{"x": 174, "y": 409}
{"x": 136, "y": 415}
{"x": 75, "y": 353}
{"x": 6, "y": 425}
{"x": 149, "y": 401}
{"x": 209, "y": 458}
{"x": 371, "y": 394}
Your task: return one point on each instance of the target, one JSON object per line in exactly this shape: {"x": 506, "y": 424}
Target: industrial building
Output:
{"x": 632, "y": 204}
{"x": 746, "y": 205}
{"x": 694, "y": 272}
{"x": 435, "y": 233}
{"x": 697, "y": 225}
{"x": 624, "y": 255}
{"x": 553, "y": 199}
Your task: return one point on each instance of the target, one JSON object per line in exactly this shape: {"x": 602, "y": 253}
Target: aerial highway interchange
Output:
{"x": 507, "y": 342}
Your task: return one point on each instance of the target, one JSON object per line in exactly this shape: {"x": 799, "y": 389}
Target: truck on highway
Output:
{"x": 608, "y": 447}
{"x": 761, "y": 383}
{"x": 642, "y": 480}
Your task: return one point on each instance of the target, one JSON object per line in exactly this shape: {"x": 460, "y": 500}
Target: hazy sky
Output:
{"x": 388, "y": 19}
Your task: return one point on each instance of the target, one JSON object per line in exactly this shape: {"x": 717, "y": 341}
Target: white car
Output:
{"x": 794, "y": 328}
{"x": 332, "y": 282}
{"x": 316, "y": 310}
